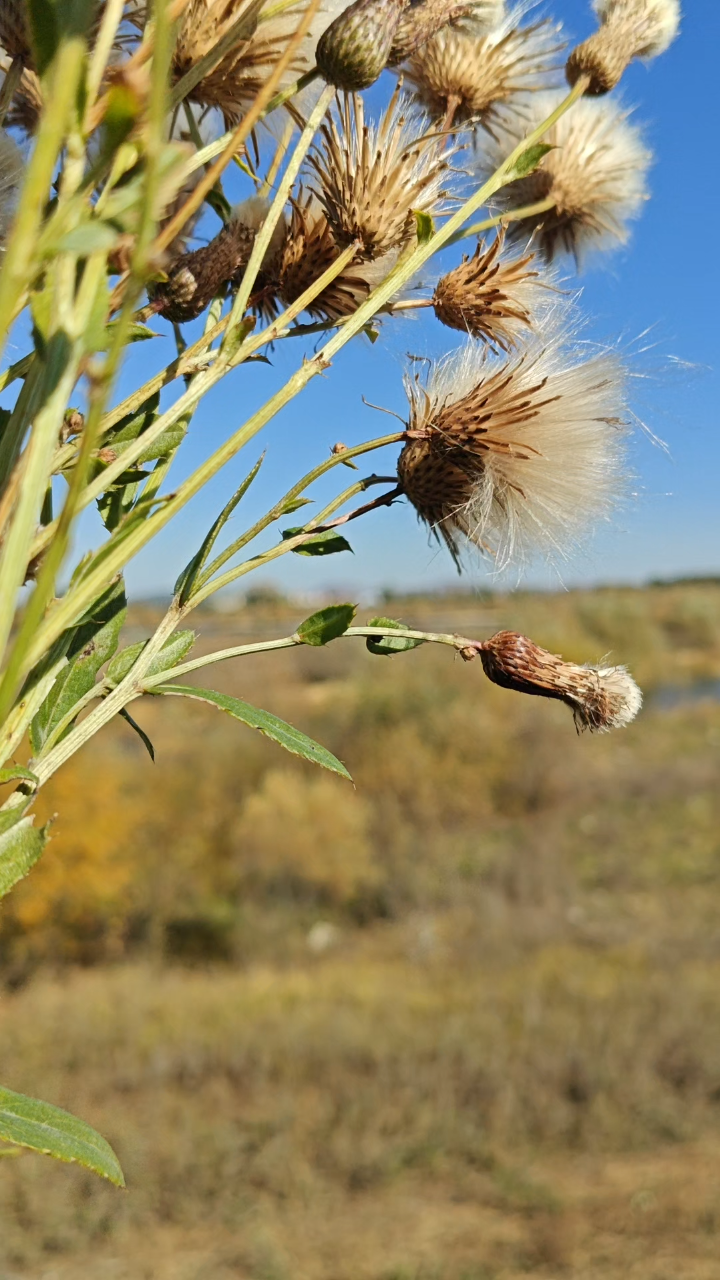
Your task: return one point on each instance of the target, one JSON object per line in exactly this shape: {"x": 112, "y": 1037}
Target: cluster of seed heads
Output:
{"x": 515, "y": 441}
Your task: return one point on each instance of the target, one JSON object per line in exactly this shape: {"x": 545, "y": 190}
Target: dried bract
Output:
{"x": 628, "y": 29}
{"x": 492, "y": 295}
{"x": 373, "y": 178}
{"x": 601, "y": 698}
{"x": 518, "y": 454}
{"x": 14, "y": 35}
{"x": 421, "y": 20}
{"x": 458, "y": 77}
{"x": 354, "y": 49}
{"x": 594, "y": 178}
{"x": 308, "y": 249}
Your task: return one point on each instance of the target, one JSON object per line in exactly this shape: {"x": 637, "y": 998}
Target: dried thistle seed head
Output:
{"x": 308, "y": 250}
{"x": 11, "y": 174}
{"x": 601, "y": 698}
{"x": 422, "y": 19}
{"x": 595, "y": 176}
{"x": 235, "y": 81}
{"x": 354, "y": 49}
{"x": 14, "y": 34}
{"x": 460, "y": 77}
{"x": 373, "y": 178}
{"x": 493, "y": 295}
{"x": 628, "y": 29}
{"x": 197, "y": 277}
{"x": 517, "y": 454}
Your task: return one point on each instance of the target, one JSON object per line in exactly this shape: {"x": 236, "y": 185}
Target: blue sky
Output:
{"x": 665, "y": 281}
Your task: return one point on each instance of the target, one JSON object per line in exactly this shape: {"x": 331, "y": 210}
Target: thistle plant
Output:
{"x": 123, "y": 124}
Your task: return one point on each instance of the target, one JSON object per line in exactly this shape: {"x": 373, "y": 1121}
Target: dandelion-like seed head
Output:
{"x": 373, "y": 178}
{"x": 628, "y": 29}
{"x": 517, "y": 454}
{"x": 594, "y": 179}
{"x": 601, "y": 698}
{"x": 493, "y": 295}
{"x": 461, "y": 77}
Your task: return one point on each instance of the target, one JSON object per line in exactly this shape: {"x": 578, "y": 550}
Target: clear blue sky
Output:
{"x": 666, "y": 280}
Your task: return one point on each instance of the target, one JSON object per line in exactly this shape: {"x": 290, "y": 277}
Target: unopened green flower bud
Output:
{"x": 355, "y": 48}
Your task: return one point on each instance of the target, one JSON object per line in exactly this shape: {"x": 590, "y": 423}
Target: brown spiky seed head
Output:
{"x": 14, "y": 35}
{"x": 594, "y": 178}
{"x": 628, "y": 29}
{"x": 197, "y": 277}
{"x": 373, "y": 178}
{"x": 355, "y": 48}
{"x": 309, "y": 248}
{"x": 424, "y": 18}
{"x": 600, "y": 698}
{"x": 491, "y": 295}
{"x": 477, "y": 76}
{"x": 516, "y": 454}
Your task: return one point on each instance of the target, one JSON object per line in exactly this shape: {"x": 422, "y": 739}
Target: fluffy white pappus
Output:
{"x": 11, "y": 173}
{"x": 621, "y": 699}
{"x": 252, "y": 212}
{"x": 596, "y": 175}
{"x": 652, "y": 24}
{"x": 483, "y": 16}
{"x": 539, "y": 438}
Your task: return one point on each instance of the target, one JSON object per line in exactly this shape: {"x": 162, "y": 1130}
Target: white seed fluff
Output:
{"x": 651, "y": 25}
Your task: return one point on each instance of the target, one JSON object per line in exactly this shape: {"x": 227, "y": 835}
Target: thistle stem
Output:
{"x": 385, "y": 500}
{"x": 500, "y": 219}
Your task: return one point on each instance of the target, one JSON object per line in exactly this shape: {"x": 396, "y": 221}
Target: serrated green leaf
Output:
{"x": 386, "y": 646}
{"x": 529, "y": 160}
{"x": 20, "y": 848}
{"x": 281, "y": 732}
{"x": 189, "y": 575}
{"x": 327, "y": 624}
{"x": 320, "y": 544}
{"x": 27, "y": 1122}
{"x": 424, "y": 226}
{"x": 172, "y": 652}
{"x": 93, "y": 646}
{"x": 17, "y": 772}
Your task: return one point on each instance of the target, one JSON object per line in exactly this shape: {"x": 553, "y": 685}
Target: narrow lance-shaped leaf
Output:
{"x": 172, "y": 652}
{"x": 529, "y": 160}
{"x": 288, "y": 737}
{"x": 189, "y": 575}
{"x": 327, "y": 624}
{"x": 26, "y": 1122}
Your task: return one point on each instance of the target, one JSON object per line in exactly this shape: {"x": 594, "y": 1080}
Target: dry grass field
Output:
{"x": 459, "y": 1023}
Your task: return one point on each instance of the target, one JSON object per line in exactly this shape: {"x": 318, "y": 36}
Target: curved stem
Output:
{"x": 510, "y": 215}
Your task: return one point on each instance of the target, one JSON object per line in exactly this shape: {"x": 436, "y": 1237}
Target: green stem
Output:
{"x": 510, "y": 215}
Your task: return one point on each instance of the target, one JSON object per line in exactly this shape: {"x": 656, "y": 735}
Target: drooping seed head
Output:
{"x": 628, "y": 29}
{"x": 600, "y": 698}
{"x": 518, "y": 454}
{"x": 197, "y": 277}
{"x": 594, "y": 178}
{"x": 372, "y": 178}
{"x": 493, "y": 295}
{"x": 465, "y": 78}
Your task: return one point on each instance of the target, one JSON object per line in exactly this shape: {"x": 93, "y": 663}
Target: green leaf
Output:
{"x": 327, "y": 624}
{"x": 125, "y": 715}
{"x": 18, "y": 772}
{"x": 26, "y": 1122}
{"x": 51, "y": 21}
{"x": 189, "y": 575}
{"x": 386, "y": 646}
{"x": 321, "y": 544}
{"x": 172, "y": 652}
{"x": 90, "y": 649}
{"x": 20, "y": 848}
{"x": 424, "y": 226}
{"x": 89, "y": 237}
{"x": 529, "y": 160}
{"x": 294, "y": 504}
{"x": 288, "y": 737}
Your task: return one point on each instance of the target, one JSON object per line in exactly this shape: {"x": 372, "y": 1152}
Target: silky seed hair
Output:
{"x": 595, "y": 176}
{"x": 601, "y": 698}
{"x": 628, "y": 29}
{"x": 11, "y": 175}
{"x": 494, "y": 295}
{"x": 518, "y": 454}
{"x": 459, "y": 77}
{"x": 370, "y": 179}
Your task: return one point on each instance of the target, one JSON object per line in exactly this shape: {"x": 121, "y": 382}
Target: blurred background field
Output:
{"x": 460, "y": 1023}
